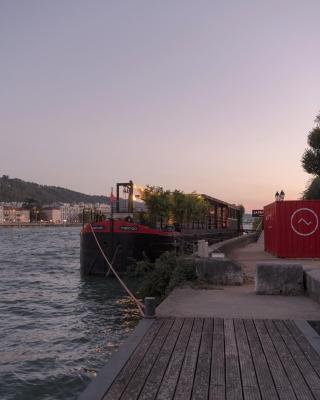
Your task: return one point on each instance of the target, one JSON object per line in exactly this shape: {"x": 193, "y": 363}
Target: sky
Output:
{"x": 205, "y": 95}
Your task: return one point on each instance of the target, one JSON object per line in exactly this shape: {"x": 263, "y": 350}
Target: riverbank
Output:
{"x": 40, "y": 225}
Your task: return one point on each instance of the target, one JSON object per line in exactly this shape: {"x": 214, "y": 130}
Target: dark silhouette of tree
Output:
{"x": 311, "y": 156}
{"x": 313, "y": 190}
{"x": 311, "y": 162}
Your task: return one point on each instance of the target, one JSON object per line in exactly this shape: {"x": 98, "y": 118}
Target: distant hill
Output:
{"x": 13, "y": 189}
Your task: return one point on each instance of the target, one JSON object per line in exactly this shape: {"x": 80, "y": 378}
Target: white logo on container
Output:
{"x": 308, "y": 219}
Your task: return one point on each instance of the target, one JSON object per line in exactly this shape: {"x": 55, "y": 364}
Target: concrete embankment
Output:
{"x": 254, "y": 253}
{"x": 227, "y": 246}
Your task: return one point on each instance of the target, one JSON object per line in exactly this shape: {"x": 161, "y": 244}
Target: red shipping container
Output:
{"x": 292, "y": 228}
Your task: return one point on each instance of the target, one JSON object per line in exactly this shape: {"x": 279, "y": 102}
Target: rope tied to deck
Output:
{"x": 138, "y": 302}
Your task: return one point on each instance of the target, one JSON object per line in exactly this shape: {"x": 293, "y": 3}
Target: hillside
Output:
{"x": 13, "y": 189}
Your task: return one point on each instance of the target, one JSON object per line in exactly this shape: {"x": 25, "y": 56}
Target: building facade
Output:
{"x": 53, "y": 215}
{"x": 16, "y": 215}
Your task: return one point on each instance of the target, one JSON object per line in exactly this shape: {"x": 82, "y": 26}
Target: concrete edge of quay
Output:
{"x": 230, "y": 244}
{"x": 310, "y": 334}
{"x": 98, "y": 387}
{"x": 312, "y": 283}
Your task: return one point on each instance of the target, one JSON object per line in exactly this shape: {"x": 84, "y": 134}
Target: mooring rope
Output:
{"x": 138, "y": 303}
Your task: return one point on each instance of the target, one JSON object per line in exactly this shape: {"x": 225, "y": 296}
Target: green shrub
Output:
{"x": 185, "y": 271}
{"x": 167, "y": 273}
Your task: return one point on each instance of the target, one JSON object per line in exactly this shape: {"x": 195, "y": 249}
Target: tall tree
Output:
{"x": 313, "y": 190}
{"x": 311, "y": 161}
{"x": 178, "y": 200}
{"x": 311, "y": 156}
{"x": 157, "y": 201}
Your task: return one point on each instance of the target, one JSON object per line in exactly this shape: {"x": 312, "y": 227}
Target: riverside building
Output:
{"x": 53, "y": 215}
{"x": 16, "y": 215}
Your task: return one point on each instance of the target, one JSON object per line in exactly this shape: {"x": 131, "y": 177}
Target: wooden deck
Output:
{"x": 219, "y": 359}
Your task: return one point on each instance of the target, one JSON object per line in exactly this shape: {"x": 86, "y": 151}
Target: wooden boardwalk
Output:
{"x": 222, "y": 359}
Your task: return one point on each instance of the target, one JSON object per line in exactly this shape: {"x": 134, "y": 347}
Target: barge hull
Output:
{"x": 122, "y": 248}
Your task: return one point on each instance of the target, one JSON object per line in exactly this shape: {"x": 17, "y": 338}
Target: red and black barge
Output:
{"x": 123, "y": 241}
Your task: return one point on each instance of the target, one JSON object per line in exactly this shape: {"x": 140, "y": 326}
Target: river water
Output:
{"x": 56, "y": 329}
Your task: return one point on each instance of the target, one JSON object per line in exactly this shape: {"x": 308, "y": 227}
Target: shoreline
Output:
{"x": 42, "y": 225}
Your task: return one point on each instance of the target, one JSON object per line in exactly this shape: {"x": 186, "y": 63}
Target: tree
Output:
{"x": 313, "y": 190}
{"x": 157, "y": 201}
{"x": 311, "y": 156}
{"x": 178, "y": 200}
{"x": 177, "y": 207}
{"x": 311, "y": 162}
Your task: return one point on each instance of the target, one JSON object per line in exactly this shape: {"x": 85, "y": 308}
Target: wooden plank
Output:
{"x": 248, "y": 375}
{"x": 218, "y": 375}
{"x": 251, "y": 393}
{"x": 136, "y": 384}
{"x": 279, "y": 375}
{"x": 294, "y": 375}
{"x": 302, "y": 362}
{"x": 233, "y": 377}
{"x": 266, "y": 384}
{"x": 185, "y": 382}
{"x": 154, "y": 379}
{"x": 305, "y": 346}
{"x": 202, "y": 378}
{"x": 170, "y": 379}
{"x": 128, "y": 370}
{"x": 217, "y": 392}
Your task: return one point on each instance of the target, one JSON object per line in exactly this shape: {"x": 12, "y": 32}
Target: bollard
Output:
{"x": 200, "y": 248}
{"x": 205, "y": 249}
{"x": 149, "y": 307}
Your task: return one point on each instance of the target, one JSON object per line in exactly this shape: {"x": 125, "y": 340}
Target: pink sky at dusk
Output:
{"x": 212, "y": 96}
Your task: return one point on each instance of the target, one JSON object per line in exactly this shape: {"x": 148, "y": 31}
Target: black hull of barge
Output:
{"x": 122, "y": 248}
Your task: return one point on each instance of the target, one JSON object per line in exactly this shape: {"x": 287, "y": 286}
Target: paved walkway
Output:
{"x": 249, "y": 255}
{"x": 236, "y": 302}
{"x": 216, "y": 359}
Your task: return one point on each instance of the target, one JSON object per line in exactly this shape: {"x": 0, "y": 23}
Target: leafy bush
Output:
{"x": 185, "y": 271}
{"x": 168, "y": 272}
